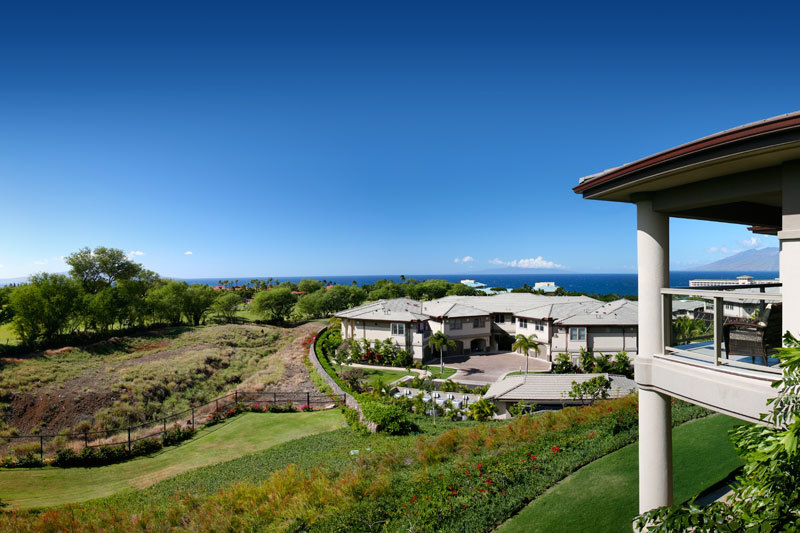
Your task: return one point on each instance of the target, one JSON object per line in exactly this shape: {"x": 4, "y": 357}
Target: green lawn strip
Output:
{"x": 436, "y": 374}
{"x": 8, "y": 335}
{"x": 388, "y": 376}
{"x": 245, "y": 434}
{"x": 519, "y": 373}
{"x": 603, "y": 496}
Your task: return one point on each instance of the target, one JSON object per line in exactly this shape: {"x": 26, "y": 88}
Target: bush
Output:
{"x": 390, "y": 419}
{"x": 176, "y": 434}
{"x": 564, "y": 365}
{"x": 145, "y": 447}
{"x": 481, "y": 410}
{"x": 353, "y": 420}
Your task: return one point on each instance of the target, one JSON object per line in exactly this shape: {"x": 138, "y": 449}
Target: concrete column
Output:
{"x": 655, "y": 450}
{"x": 789, "y": 237}
{"x": 655, "y": 409}
{"x": 652, "y": 240}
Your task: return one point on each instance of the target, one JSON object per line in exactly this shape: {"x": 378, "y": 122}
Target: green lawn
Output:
{"x": 387, "y": 376}
{"x": 242, "y": 435}
{"x": 519, "y": 373}
{"x": 7, "y": 335}
{"x": 603, "y": 496}
{"x": 436, "y": 374}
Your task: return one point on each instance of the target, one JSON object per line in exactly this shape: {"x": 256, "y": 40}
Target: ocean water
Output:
{"x": 622, "y": 284}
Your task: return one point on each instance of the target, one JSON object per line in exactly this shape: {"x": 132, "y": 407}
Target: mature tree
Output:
{"x": 459, "y": 289}
{"x": 311, "y": 305}
{"x": 103, "y": 308}
{"x": 101, "y": 267}
{"x": 197, "y": 300}
{"x": 226, "y": 305}
{"x": 526, "y": 344}
{"x": 167, "y": 300}
{"x": 6, "y": 313}
{"x": 274, "y": 304}
{"x": 440, "y": 341}
{"x": 309, "y": 285}
{"x": 43, "y": 307}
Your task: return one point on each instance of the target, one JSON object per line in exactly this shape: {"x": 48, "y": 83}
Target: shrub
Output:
{"x": 481, "y": 410}
{"x": 145, "y": 447}
{"x": 176, "y": 434}
{"x": 390, "y": 419}
{"x": 353, "y": 420}
{"x": 564, "y": 365}
{"x": 591, "y": 390}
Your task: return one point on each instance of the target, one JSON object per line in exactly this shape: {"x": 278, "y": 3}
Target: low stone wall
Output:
{"x": 349, "y": 399}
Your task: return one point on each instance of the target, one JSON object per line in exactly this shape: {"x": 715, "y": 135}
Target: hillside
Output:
{"x": 127, "y": 380}
{"x": 749, "y": 260}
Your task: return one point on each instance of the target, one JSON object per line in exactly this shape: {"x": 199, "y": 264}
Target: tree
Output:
{"x": 6, "y": 313}
{"x": 44, "y": 307}
{"x": 440, "y": 341}
{"x": 197, "y": 300}
{"x": 167, "y": 301}
{"x": 686, "y": 329}
{"x": 309, "y": 285}
{"x": 101, "y": 267}
{"x": 591, "y": 390}
{"x": 226, "y": 305}
{"x": 526, "y": 344}
{"x": 274, "y": 304}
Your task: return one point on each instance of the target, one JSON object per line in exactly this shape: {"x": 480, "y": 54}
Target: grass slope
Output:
{"x": 245, "y": 434}
{"x": 603, "y": 496}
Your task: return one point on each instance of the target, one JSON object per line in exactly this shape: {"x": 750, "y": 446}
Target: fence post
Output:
{"x": 41, "y": 447}
{"x": 165, "y": 424}
{"x": 236, "y": 396}
{"x": 86, "y": 440}
{"x": 192, "y": 417}
{"x": 308, "y": 399}
{"x": 129, "y": 440}
{"x": 216, "y": 404}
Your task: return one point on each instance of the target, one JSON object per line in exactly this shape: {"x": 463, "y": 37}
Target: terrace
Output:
{"x": 748, "y": 175}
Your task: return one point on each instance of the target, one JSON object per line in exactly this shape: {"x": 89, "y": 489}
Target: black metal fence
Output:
{"x": 197, "y": 415}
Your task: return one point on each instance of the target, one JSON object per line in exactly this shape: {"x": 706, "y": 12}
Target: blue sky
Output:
{"x": 376, "y": 138}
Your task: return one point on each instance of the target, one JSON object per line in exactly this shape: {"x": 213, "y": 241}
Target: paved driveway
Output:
{"x": 482, "y": 369}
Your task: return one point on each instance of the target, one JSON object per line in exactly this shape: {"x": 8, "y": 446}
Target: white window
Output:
{"x": 398, "y": 328}
{"x": 455, "y": 324}
{"x": 539, "y": 325}
{"x": 577, "y": 334}
{"x": 523, "y": 322}
{"x": 478, "y": 322}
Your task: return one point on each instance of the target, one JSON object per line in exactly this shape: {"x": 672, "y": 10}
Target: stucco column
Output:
{"x": 789, "y": 237}
{"x": 655, "y": 409}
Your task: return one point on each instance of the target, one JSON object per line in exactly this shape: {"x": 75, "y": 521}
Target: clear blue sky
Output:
{"x": 339, "y": 138}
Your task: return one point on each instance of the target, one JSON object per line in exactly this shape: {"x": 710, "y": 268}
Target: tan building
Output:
{"x": 486, "y": 324}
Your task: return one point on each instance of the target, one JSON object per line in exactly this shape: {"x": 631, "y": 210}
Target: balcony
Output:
{"x": 695, "y": 364}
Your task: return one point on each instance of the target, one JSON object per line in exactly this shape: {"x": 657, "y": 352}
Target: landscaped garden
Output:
{"x": 463, "y": 476}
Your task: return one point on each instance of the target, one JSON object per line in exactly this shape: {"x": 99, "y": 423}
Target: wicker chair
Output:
{"x": 754, "y": 339}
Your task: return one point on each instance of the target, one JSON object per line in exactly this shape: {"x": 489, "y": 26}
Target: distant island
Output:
{"x": 763, "y": 259}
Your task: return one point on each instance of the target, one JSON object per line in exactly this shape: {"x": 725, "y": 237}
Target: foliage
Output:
{"x": 766, "y": 496}
{"x": 522, "y": 409}
{"x": 353, "y": 379}
{"x": 390, "y": 419}
{"x": 102, "y": 267}
{"x": 353, "y": 420}
{"x": 226, "y": 305}
{"x": 44, "y": 307}
{"x": 383, "y": 353}
{"x": 685, "y": 329}
{"x": 481, "y": 410}
{"x": 564, "y": 365}
{"x": 591, "y": 390}
{"x": 274, "y": 304}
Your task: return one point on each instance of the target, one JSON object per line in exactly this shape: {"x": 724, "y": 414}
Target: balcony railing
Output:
{"x": 701, "y": 341}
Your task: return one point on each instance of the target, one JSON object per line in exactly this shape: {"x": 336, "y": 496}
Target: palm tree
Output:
{"x": 685, "y": 329}
{"x": 440, "y": 341}
{"x": 526, "y": 344}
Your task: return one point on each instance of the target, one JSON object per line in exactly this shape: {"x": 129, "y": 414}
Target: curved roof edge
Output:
{"x": 753, "y": 129}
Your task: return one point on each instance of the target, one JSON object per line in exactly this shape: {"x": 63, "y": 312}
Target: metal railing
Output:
{"x": 716, "y": 298}
{"x": 199, "y": 414}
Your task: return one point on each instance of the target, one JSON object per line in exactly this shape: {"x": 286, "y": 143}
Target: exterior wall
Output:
{"x": 412, "y": 340}
{"x": 604, "y": 339}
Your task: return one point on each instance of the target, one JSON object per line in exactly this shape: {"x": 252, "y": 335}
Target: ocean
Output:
{"x": 622, "y": 284}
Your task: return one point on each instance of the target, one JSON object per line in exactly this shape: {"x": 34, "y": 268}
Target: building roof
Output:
{"x": 550, "y": 388}
{"x": 687, "y": 305}
{"x": 619, "y": 312}
{"x": 396, "y": 310}
{"x": 511, "y": 302}
{"x": 438, "y": 309}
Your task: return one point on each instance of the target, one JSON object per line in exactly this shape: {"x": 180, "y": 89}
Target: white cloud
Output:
{"x": 135, "y": 252}
{"x": 752, "y": 242}
{"x": 1, "y": 265}
{"x": 533, "y": 262}
{"x": 465, "y": 259}
{"x": 41, "y": 262}
{"x": 187, "y": 252}
{"x": 722, "y": 250}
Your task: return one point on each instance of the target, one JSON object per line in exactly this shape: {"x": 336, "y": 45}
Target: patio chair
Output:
{"x": 754, "y": 339}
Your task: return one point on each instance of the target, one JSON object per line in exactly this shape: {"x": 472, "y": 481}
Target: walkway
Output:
{"x": 480, "y": 369}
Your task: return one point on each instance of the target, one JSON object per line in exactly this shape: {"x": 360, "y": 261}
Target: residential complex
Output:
{"x": 484, "y": 324}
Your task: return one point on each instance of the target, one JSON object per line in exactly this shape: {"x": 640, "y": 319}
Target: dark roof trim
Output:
{"x": 748, "y": 131}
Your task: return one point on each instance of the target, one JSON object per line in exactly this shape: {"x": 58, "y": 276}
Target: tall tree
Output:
{"x": 44, "y": 307}
{"x": 274, "y": 304}
{"x": 526, "y": 345}
{"x": 101, "y": 267}
{"x": 440, "y": 341}
{"x": 197, "y": 300}
{"x": 226, "y": 305}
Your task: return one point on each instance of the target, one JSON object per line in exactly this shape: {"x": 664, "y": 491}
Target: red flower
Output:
{"x": 533, "y": 457}
{"x": 556, "y": 449}
{"x": 413, "y": 499}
